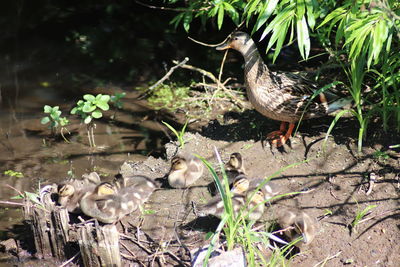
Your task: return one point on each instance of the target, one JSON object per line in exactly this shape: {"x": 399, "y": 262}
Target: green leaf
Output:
{"x": 300, "y": 9}
{"x": 187, "y": 19}
{"x": 47, "y": 109}
{"x": 97, "y": 114}
{"x": 176, "y": 20}
{"x": 220, "y": 19}
{"x": 232, "y": 12}
{"x": 87, "y": 108}
{"x": 269, "y": 8}
{"x": 45, "y": 120}
{"x": 88, "y": 119}
{"x": 103, "y": 106}
{"x": 303, "y": 39}
{"x": 74, "y": 110}
{"x": 89, "y": 97}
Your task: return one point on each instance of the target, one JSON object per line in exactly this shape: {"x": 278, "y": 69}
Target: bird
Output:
{"x": 185, "y": 170}
{"x": 71, "y": 191}
{"x": 135, "y": 187}
{"x": 301, "y": 223}
{"x": 285, "y": 97}
{"x": 235, "y": 166}
{"x": 106, "y": 203}
{"x": 243, "y": 184}
{"x": 251, "y": 203}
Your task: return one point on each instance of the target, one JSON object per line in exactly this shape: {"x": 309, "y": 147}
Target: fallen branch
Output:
{"x": 166, "y": 76}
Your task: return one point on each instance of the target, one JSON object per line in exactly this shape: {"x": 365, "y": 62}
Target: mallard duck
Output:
{"x": 253, "y": 211}
{"x": 135, "y": 187}
{"x": 234, "y": 167}
{"x": 243, "y": 184}
{"x": 71, "y": 191}
{"x": 106, "y": 203}
{"x": 280, "y": 96}
{"x": 185, "y": 170}
{"x": 303, "y": 225}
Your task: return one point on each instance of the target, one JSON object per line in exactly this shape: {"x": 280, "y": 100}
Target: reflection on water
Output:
{"x": 25, "y": 146}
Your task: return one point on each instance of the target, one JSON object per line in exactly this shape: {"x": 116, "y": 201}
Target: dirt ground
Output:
{"x": 336, "y": 178}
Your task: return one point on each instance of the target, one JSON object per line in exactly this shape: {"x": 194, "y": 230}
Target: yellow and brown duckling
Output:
{"x": 185, "y": 170}
{"x": 286, "y": 97}
{"x": 71, "y": 191}
{"x": 106, "y": 204}
{"x": 252, "y": 201}
{"x": 243, "y": 184}
{"x": 135, "y": 187}
{"x": 301, "y": 223}
{"x": 235, "y": 166}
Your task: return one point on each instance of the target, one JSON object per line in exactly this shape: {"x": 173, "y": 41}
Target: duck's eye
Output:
{"x": 235, "y": 38}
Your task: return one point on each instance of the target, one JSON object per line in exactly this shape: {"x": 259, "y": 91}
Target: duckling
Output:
{"x": 255, "y": 204}
{"x": 106, "y": 204}
{"x": 235, "y": 164}
{"x": 286, "y": 97}
{"x": 71, "y": 191}
{"x": 253, "y": 211}
{"x": 137, "y": 188}
{"x": 242, "y": 184}
{"x": 304, "y": 226}
{"x": 185, "y": 170}
{"x": 216, "y": 208}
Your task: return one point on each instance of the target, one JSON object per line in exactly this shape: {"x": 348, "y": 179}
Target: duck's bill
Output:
{"x": 223, "y": 46}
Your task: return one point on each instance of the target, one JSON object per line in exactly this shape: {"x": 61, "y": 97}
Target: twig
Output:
{"x": 171, "y": 8}
{"x": 215, "y": 80}
{"x": 329, "y": 258}
{"x": 377, "y": 215}
{"x": 372, "y": 180}
{"x": 166, "y": 76}
{"x": 11, "y": 203}
{"x": 70, "y": 260}
{"x": 137, "y": 243}
{"x": 19, "y": 192}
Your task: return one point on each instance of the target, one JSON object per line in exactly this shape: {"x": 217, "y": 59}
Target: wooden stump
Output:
{"x": 99, "y": 245}
{"x": 54, "y": 236}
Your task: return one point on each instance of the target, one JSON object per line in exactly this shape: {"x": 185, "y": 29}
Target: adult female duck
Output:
{"x": 284, "y": 97}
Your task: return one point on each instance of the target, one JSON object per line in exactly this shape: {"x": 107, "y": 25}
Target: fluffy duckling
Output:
{"x": 243, "y": 184}
{"x": 185, "y": 170}
{"x": 137, "y": 188}
{"x": 71, "y": 191}
{"x": 106, "y": 204}
{"x": 303, "y": 225}
{"x": 216, "y": 206}
{"x": 254, "y": 202}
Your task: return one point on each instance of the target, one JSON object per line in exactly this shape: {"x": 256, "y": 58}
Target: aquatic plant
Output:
{"x": 55, "y": 120}
{"x": 89, "y": 109}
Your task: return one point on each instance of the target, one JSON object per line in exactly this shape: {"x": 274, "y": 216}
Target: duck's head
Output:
{"x": 241, "y": 184}
{"x": 236, "y": 161}
{"x": 255, "y": 198}
{"x": 238, "y": 41}
{"x": 178, "y": 163}
{"x": 104, "y": 189}
{"x": 66, "y": 190}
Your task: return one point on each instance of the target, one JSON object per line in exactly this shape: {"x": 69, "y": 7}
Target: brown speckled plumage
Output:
{"x": 280, "y": 96}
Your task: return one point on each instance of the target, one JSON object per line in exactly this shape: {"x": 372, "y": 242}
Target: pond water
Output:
{"x": 26, "y": 146}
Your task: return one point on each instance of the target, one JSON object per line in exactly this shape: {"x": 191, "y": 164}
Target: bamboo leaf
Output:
{"x": 303, "y": 38}
{"x": 220, "y": 19}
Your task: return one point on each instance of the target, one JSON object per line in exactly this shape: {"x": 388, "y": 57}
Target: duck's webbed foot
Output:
{"x": 279, "y": 138}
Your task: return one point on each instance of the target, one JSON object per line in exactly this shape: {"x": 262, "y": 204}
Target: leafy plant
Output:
{"x": 362, "y": 36}
{"x": 91, "y": 108}
{"x": 236, "y": 228}
{"x": 116, "y": 99}
{"x": 179, "y": 135}
{"x": 359, "y": 215}
{"x": 13, "y": 173}
{"x": 55, "y": 119}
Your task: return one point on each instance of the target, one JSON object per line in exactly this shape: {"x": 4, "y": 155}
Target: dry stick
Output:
{"x": 70, "y": 260}
{"x": 19, "y": 192}
{"x": 137, "y": 243}
{"x": 236, "y": 100}
{"x": 219, "y": 75}
{"x": 171, "y": 8}
{"x": 166, "y": 76}
{"x": 378, "y": 215}
{"x": 329, "y": 258}
{"x": 11, "y": 203}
